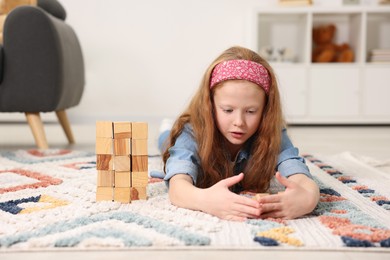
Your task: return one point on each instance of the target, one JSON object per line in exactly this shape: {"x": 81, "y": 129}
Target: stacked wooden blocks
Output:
{"x": 121, "y": 161}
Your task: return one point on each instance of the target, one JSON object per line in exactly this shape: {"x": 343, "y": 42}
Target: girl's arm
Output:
{"x": 217, "y": 200}
{"x": 300, "y": 197}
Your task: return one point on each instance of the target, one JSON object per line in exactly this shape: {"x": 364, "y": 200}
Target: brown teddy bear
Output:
{"x": 325, "y": 50}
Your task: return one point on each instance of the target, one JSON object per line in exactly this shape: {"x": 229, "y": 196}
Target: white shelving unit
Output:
{"x": 337, "y": 93}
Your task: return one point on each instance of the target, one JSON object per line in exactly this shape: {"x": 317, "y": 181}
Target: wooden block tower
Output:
{"x": 121, "y": 161}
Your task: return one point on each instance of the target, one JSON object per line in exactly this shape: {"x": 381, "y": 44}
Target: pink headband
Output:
{"x": 241, "y": 69}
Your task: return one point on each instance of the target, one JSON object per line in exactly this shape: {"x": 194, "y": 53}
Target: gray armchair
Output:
{"x": 41, "y": 66}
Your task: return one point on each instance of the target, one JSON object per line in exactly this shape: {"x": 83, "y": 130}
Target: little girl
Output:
{"x": 231, "y": 138}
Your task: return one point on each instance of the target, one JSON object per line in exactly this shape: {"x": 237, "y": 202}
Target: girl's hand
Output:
{"x": 219, "y": 201}
{"x": 300, "y": 197}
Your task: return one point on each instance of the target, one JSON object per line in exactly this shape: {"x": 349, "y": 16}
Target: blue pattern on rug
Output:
{"x": 128, "y": 239}
{"x": 265, "y": 241}
{"x": 350, "y": 182}
{"x": 348, "y": 241}
{"x": 12, "y": 206}
{"x": 78, "y": 221}
{"x": 187, "y": 237}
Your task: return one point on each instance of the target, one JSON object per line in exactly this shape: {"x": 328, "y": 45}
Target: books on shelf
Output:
{"x": 380, "y": 55}
{"x": 295, "y": 2}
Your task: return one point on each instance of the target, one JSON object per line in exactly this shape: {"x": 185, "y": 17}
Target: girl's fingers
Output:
{"x": 273, "y": 214}
{"x": 270, "y": 199}
{"x": 247, "y": 211}
{"x": 284, "y": 181}
{"x": 228, "y": 182}
{"x": 245, "y": 207}
{"x": 270, "y": 207}
{"x": 245, "y": 215}
{"x": 247, "y": 201}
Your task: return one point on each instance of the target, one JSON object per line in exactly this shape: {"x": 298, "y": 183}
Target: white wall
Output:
{"x": 145, "y": 58}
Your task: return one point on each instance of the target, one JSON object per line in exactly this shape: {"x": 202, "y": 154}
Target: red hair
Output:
{"x": 214, "y": 161}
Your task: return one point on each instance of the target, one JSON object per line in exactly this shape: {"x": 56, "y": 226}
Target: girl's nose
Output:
{"x": 238, "y": 120}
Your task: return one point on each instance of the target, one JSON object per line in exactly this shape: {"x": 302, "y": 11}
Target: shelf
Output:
{"x": 328, "y": 92}
{"x": 377, "y": 64}
{"x": 378, "y": 34}
{"x": 322, "y": 9}
{"x": 335, "y": 65}
{"x": 288, "y": 64}
{"x": 281, "y": 31}
{"x": 376, "y": 93}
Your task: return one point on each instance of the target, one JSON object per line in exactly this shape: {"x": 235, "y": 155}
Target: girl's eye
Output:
{"x": 227, "y": 110}
{"x": 251, "y": 111}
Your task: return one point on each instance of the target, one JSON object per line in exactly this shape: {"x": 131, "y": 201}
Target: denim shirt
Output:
{"x": 184, "y": 157}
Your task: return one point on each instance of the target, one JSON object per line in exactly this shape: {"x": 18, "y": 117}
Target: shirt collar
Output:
{"x": 244, "y": 153}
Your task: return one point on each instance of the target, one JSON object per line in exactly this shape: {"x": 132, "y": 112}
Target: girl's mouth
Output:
{"x": 237, "y": 135}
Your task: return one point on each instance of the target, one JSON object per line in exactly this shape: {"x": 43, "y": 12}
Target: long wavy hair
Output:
{"x": 214, "y": 161}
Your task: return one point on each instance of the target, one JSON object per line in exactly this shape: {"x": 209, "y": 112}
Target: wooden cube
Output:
{"x": 121, "y": 160}
{"x": 138, "y": 193}
{"x": 104, "y": 162}
{"x": 123, "y": 179}
{"x": 139, "y": 179}
{"x": 104, "y": 145}
{"x": 122, "y": 146}
{"x": 139, "y": 130}
{"x": 122, "y": 163}
{"x": 134, "y": 193}
{"x": 122, "y": 130}
{"x": 104, "y": 193}
{"x": 259, "y": 195}
{"x": 139, "y": 163}
{"x": 122, "y": 195}
{"x": 139, "y": 146}
{"x": 104, "y": 129}
{"x": 105, "y": 178}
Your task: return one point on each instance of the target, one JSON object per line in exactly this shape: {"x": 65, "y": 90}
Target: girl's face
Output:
{"x": 238, "y": 106}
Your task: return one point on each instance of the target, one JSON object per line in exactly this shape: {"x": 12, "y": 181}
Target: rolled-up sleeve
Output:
{"x": 183, "y": 156}
{"x": 289, "y": 161}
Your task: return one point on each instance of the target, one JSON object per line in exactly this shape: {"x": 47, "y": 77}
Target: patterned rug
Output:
{"x": 47, "y": 201}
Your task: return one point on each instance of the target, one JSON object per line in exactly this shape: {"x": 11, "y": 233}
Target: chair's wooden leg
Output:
{"x": 36, "y": 125}
{"x": 63, "y": 118}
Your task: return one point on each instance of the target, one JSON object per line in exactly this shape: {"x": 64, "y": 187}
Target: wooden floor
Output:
{"x": 368, "y": 141}
{"x": 364, "y": 140}
{"x": 199, "y": 254}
